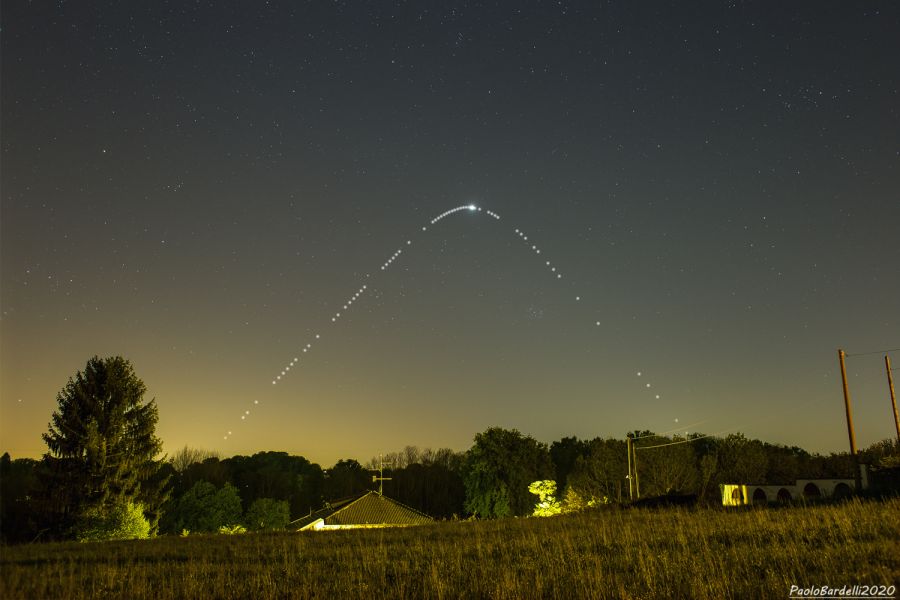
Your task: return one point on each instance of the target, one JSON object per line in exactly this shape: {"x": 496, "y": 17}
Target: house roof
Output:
{"x": 369, "y": 509}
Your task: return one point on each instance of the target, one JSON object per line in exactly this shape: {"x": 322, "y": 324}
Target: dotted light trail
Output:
{"x": 353, "y": 298}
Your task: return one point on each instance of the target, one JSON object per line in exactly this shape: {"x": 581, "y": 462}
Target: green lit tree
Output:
{"x": 102, "y": 448}
{"x": 547, "y": 505}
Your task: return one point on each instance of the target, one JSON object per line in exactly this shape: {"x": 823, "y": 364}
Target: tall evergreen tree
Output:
{"x": 102, "y": 445}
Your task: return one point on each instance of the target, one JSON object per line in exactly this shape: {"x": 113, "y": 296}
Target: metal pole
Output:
{"x": 847, "y": 403}
{"x": 887, "y": 365}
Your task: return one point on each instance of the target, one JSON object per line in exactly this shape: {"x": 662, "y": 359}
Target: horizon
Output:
{"x": 570, "y": 221}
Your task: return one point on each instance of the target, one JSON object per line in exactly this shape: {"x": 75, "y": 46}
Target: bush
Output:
{"x": 120, "y": 522}
{"x": 232, "y": 529}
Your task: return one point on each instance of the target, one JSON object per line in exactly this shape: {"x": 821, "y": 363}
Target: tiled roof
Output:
{"x": 369, "y": 509}
{"x": 322, "y": 513}
{"x": 375, "y": 509}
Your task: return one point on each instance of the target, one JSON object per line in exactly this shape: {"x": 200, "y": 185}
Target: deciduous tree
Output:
{"x": 267, "y": 513}
{"x": 204, "y": 508}
{"x": 498, "y": 470}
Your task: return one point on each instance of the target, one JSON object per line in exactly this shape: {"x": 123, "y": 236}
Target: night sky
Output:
{"x": 202, "y": 187}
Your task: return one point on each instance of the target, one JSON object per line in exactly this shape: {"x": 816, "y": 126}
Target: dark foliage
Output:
{"x": 345, "y": 479}
{"x": 498, "y": 470}
{"x": 102, "y": 445}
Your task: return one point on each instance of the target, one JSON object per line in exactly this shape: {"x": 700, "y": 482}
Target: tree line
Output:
{"x": 102, "y": 476}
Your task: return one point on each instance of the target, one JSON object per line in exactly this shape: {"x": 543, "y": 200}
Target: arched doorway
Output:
{"x": 759, "y": 496}
{"x": 811, "y": 490}
{"x": 842, "y": 490}
{"x": 736, "y": 496}
{"x": 784, "y": 496}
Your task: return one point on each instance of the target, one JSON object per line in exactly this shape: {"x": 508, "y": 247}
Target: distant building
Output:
{"x": 371, "y": 510}
{"x": 737, "y": 494}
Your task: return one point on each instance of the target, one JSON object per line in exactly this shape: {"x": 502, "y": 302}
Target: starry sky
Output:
{"x": 202, "y": 187}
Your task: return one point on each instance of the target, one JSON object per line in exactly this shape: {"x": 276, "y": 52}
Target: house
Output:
{"x": 736, "y": 494}
{"x": 370, "y": 510}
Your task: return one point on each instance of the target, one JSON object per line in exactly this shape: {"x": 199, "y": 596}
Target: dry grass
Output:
{"x": 605, "y": 554}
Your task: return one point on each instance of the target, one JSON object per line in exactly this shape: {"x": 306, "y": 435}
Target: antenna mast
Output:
{"x": 380, "y": 478}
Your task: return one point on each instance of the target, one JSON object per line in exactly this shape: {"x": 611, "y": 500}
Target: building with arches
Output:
{"x": 739, "y": 494}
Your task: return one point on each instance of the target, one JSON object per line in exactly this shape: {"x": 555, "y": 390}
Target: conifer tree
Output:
{"x": 102, "y": 446}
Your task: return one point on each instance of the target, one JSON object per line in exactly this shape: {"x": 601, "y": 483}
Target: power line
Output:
{"x": 676, "y": 430}
{"x": 688, "y": 441}
{"x": 875, "y": 352}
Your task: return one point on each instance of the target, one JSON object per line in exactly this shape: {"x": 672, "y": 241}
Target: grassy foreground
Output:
{"x": 704, "y": 553}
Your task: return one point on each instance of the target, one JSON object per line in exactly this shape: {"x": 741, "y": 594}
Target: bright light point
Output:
{"x": 305, "y": 349}
{"x": 243, "y": 417}
{"x": 317, "y": 336}
{"x": 274, "y": 382}
{"x": 598, "y": 323}
{"x": 648, "y": 385}
{"x": 577, "y": 298}
{"x": 296, "y": 359}
{"x": 638, "y": 373}
{"x": 553, "y": 269}
{"x": 256, "y": 402}
{"x": 548, "y": 263}
{"x": 225, "y": 438}
{"x": 657, "y": 396}
{"x": 472, "y": 207}
{"x": 278, "y": 377}
{"x": 424, "y": 229}
{"x": 538, "y": 251}
{"x": 246, "y": 412}
{"x": 558, "y": 276}
{"x": 345, "y": 307}
{"x": 525, "y": 238}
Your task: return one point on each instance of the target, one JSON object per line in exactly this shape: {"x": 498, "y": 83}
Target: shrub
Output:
{"x": 124, "y": 521}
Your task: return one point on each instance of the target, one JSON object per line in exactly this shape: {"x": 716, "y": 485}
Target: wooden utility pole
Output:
{"x": 630, "y": 479}
{"x": 847, "y": 403}
{"x": 887, "y": 365}
{"x": 637, "y": 481}
{"x": 858, "y": 474}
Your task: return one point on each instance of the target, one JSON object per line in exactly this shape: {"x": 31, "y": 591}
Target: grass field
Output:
{"x": 669, "y": 553}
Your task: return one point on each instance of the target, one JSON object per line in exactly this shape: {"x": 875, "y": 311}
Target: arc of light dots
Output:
{"x": 390, "y": 261}
{"x": 348, "y": 303}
